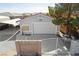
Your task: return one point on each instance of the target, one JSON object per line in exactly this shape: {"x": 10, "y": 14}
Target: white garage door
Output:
{"x": 43, "y": 28}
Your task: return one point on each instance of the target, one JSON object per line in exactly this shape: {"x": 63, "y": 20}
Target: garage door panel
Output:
{"x": 44, "y": 28}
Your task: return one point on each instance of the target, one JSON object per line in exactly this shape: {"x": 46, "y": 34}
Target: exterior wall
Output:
{"x": 36, "y": 18}
{"x": 74, "y": 49}
{"x": 29, "y": 24}
{"x": 44, "y": 28}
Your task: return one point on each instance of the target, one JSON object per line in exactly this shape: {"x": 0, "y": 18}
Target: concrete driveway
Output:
{"x": 8, "y": 48}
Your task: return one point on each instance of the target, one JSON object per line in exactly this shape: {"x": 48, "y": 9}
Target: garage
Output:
{"x": 38, "y": 24}
{"x": 43, "y": 28}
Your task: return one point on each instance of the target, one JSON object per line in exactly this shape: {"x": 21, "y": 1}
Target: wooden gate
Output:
{"x": 28, "y": 47}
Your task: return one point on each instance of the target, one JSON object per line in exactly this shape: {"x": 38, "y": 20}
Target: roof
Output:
{"x": 2, "y": 18}
{"x": 39, "y": 13}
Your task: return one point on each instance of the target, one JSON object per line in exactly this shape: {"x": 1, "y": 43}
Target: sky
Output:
{"x": 39, "y": 1}
{"x": 25, "y": 7}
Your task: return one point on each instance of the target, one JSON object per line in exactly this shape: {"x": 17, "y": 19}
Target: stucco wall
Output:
{"x": 38, "y": 24}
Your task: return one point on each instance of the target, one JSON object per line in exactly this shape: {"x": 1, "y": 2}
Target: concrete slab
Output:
{"x": 5, "y": 34}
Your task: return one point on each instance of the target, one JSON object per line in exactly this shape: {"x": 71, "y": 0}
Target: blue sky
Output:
{"x": 25, "y": 7}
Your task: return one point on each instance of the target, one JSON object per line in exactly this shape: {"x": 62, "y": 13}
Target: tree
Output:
{"x": 51, "y": 11}
{"x": 63, "y": 15}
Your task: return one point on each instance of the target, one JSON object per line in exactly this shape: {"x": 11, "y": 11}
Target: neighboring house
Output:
{"x": 4, "y": 18}
{"x": 11, "y": 15}
{"x": 4, "y": 25}
{"x": 38, "y": 24}
{"x": 5, "y": 21}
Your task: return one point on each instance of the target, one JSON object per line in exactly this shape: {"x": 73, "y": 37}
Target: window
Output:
{"x": 25, "y": 28}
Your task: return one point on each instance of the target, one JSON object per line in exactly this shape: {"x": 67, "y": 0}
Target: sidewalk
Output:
{"x": 8, "y": 48}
